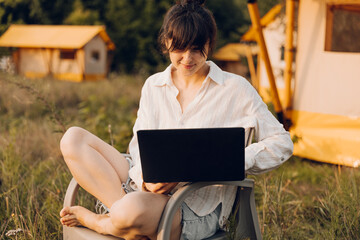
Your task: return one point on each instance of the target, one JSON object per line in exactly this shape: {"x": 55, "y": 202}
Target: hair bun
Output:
{"x": 192, "y": 2}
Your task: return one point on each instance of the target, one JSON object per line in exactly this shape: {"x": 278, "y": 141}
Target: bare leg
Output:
{"x": 100, "y": 169}
{"x": 97, "y": 167}
{"x": 135, "y": 216}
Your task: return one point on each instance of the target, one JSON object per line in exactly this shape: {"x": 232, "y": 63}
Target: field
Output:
{"x": 300, "y": 200}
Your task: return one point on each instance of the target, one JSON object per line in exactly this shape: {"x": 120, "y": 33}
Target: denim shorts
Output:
{"x": 195, "y": 227}
{"x": 128, "y": 185}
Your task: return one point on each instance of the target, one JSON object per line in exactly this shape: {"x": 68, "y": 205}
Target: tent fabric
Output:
{"x": 326, "y": 109}
{"x": 233, "y": 51}
{"x": 326, "y": 103}
{"x": 342, "y": 1}
{"x": 52, "y": 36}
{"x": 251, "y": 34}
{"x": 327, "y": 138}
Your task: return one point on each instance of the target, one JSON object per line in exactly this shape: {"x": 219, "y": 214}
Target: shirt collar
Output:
{"x": 215, "y": 74}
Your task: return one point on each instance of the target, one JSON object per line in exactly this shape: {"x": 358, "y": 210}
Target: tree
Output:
{"x": 82, "y": 16}
{"x": 33, "y": 12}
{"x": 133, "y": 25}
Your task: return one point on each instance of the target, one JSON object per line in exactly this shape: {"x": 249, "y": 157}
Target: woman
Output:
{"x": 190, "y": 93}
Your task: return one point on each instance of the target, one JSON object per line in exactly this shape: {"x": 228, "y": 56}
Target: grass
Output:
{"x": 300, "y": 200}
{"x": 308, "y": 200}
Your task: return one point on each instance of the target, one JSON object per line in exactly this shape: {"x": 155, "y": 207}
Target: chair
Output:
{"x": 244, "y": 210}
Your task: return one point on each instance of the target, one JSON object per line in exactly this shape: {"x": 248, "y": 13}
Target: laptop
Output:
{"x": 192, "y": 155}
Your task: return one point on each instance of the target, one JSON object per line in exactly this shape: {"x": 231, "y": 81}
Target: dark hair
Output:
{"x": 188, "y": 24}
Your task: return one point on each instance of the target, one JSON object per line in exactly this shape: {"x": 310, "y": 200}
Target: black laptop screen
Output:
{"x": 191, "y": 155}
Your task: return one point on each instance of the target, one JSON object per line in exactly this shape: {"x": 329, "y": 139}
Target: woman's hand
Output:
{"x": 162, "y": 188}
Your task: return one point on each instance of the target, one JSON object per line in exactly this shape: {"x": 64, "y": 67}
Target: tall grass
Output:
{"x": 300, "y": 200}
{"x": 33, "y": 116}
{"x": 308, "y": 200}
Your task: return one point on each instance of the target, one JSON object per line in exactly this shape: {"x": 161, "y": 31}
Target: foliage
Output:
{"x": 33, "y": 12}
{"x": 133, "y": 25}
{"x": 81, "y": 16}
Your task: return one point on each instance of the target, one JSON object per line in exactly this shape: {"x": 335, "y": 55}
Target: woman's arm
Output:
{"x": 273, "y": 143}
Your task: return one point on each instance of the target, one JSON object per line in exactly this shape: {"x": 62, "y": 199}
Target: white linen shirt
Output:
{"x": 224, "y": 100}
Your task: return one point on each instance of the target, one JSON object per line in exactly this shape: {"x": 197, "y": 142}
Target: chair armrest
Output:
{"x": 71, "y": 193}
{"x": 180, "y": 195}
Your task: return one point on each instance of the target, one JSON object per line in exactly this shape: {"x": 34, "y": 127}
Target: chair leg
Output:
{"x": 254, "y": 214}
{"x": 248, "y": 224}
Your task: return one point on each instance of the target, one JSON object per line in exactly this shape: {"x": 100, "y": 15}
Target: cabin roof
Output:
{"x": 233, "y": 51}
{"x": 53, "y": 36}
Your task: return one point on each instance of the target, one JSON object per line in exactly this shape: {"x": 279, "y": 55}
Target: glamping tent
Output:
{"x": 74, "y": 53}
{"x": 229, "y": 56}
{"x": 320, "y": 99}
{"x": 326, "y": 99}
{"x": 273, "y": 24}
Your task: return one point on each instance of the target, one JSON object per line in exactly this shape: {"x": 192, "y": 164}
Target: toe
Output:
{"x": 73, "y": 224}
{"x": 64, "y": 211}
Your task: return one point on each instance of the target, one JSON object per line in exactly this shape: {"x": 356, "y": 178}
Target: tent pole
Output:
{"x": 254, "y": 79}
{"x": 255, "y": 19}
{"x": 258, "y": 69}
{"x": 289, "y": 56}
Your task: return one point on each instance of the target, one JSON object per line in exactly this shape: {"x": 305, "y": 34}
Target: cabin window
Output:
{"x": 95, "y": 55}
{"x": 342, "y": 28}
{"x": 67, "y": 54}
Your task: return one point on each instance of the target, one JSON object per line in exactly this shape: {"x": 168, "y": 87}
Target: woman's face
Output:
{"x": 189, "y": 62}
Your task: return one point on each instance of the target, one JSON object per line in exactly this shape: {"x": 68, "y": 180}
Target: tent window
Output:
{"x": 342, "y": 28}
{"x": 95, "y": 56}
{"x": 67, "y": 54}
{"x": 282, "y": 51}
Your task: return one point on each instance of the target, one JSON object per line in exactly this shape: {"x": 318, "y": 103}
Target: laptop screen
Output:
{"x": 191, "y": 155}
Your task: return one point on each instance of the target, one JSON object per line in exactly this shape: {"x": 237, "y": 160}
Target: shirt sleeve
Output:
{"x": 141, "y": 122}
{"x": 273, "y": 143}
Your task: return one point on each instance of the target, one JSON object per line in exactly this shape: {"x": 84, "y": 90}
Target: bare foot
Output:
{"x": 80, "y": 216}
{"x": 69, "y": 216}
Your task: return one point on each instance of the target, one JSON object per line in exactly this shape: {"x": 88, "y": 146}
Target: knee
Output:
{"x": 71, "y": 141}
{"x": 128, "y": 212}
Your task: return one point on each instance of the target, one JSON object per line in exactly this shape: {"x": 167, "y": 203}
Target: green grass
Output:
{"x": 300, "y": 200}
{"x": 308, "y": 200}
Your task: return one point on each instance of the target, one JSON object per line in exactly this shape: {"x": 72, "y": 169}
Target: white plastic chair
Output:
{"x": 244, "y": 209}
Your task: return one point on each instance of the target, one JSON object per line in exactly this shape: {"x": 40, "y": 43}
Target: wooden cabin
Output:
{"x": 74, "y": 53}
{"x": 231, "y": 58}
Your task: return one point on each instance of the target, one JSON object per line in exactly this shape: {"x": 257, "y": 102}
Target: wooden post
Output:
{"x": 255, "y": 19}
{"x": 289, "y": 55}
{"x": 258, "y": 68}
{"x": 254, "y": 78}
